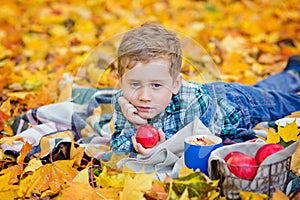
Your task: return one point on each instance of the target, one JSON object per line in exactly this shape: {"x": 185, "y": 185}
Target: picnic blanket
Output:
{"x": 83, "y": 118}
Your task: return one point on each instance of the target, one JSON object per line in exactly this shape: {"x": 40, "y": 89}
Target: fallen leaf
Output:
{"x": 26, "y": 148}
{"x": 48, "y": 177}
{"x": 80, "y": 191}
{"x": 115, "y": 157}
{"x": 289, "y": 132}
{"x": 76, "y": 154}
{"x": 106, "y": 179}
{"x": 136, "y": 186}
{"x": 295, "y": 162}
{"x": 251, "y": 195}
{"x": 7, "y": 190}
{"x": 279, "y": 195}
{"x": 32, "y": 165}
{"x": 15, "y": 171}
{"x": 273, "y": 137}
{"x": 82, "y": 176}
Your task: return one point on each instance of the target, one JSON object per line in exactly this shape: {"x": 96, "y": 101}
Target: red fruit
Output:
{"x": 265, "y": 151}
{"x": 243, "y": 166}
{"x": 232, "y": 154}
{"x": 147, "y": 136}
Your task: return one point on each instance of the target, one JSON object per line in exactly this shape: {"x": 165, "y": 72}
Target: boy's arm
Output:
{"x": 121, "y": 138}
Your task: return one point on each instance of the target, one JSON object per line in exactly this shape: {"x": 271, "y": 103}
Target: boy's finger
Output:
{"x": 162, "y": 135}
{"x": 138, "y": 147}
{"x": 134, "y": 143}
{"x": 122, "y": 100}
{"x": 142, "y": 150}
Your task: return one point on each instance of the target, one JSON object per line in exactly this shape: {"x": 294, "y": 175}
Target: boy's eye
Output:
{"x": 156, "y": 85}
{"x": 135, "y": 84}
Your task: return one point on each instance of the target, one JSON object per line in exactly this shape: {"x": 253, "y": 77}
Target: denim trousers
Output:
{"x": 268, "y": 100}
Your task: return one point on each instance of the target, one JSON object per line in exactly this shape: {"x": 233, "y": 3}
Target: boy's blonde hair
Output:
{"x": 150, "y": 41}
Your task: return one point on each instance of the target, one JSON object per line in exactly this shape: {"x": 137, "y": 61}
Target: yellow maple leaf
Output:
{"x": 14, "y": 172}
{"x": 295, "y": 162}
{"x": 112, "y": 163}
{"x": 184, "y": 171}
{"x": 7, "y": 190}
{"x": 78, "y": 191}
{"x": 32, "y": 165}
{"x": 136, "y": 186}
{"x": 289, "y": 132}
{"x": 48, "y": 177}
{"x": 106, "y": 179}
{"x": 273, "y": 137}
{"x": 76, "y": 154}
{"x": 83, "y": 176}
{"x": 251, "y": 195}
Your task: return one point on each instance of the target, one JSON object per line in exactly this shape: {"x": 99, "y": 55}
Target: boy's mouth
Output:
{"x": 143, "y": 108}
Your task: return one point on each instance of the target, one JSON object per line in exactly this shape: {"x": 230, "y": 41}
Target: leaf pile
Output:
{"x": 63, "y": 179}
{"x": 40, "y": 42}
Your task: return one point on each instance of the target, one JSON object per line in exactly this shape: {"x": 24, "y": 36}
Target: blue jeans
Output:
{"x": 268, "y": 100}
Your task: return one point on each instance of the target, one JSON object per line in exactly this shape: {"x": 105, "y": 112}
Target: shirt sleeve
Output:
{"x": 121, "y": 138}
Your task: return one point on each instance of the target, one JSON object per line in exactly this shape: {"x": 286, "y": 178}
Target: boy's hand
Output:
{"x": 130, "y": 112}
{"x": 140, "y": 149}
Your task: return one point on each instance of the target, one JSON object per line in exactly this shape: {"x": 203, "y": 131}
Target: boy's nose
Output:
{"x": 145, "y": 94}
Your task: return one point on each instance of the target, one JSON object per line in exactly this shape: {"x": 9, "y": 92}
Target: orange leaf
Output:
{"x": 23, "y": 153}
{"x": 14, "y": 172}
{"x": 279, "y": 195}
{"x": 48, "y": 177}
{"x": 86, "y": 192}
{"x": 76, "y": 154}
{"x": 3, "y": 120}
{"x": 11, "y": 140}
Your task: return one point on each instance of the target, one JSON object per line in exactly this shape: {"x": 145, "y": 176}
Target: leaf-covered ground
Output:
{"x": 41, "y": 40}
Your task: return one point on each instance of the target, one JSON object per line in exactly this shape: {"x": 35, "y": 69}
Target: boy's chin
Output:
{"x": 147, "y": 115}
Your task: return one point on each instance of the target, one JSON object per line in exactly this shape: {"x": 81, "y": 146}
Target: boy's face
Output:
{"x": 149, "y": 87}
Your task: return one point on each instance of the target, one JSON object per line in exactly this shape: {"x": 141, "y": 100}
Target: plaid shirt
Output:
{"x": 192, "y": 100}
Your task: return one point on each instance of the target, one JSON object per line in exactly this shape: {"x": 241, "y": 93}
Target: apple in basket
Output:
{"x": 147, "y": 136}
{"x": 265, "y": 151}
{"x": 242, "y": 165}
{"x": 231, "y": 154}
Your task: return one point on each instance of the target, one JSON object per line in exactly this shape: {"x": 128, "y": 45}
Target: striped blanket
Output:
{"x": 84, "y": 119}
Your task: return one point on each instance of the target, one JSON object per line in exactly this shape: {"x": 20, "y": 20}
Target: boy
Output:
{"x": 154, "y": 92}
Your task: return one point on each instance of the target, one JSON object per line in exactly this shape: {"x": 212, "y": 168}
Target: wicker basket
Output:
{"x": 271, "y": 176}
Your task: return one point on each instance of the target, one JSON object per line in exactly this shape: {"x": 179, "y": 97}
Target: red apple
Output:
{"x": 232, "y": 154}
{"x": 243, "y": 166}
{"x": 147, "y": 136}
{"x": 265, "y": 151}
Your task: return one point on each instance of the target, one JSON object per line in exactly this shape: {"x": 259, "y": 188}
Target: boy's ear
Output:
{"x": 177, "y": 84}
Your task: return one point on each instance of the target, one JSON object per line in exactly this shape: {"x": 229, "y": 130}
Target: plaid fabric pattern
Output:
{"x": 192, "y": 100}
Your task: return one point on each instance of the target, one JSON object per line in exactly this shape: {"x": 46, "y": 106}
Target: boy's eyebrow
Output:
{"x": 154, "y": 80}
